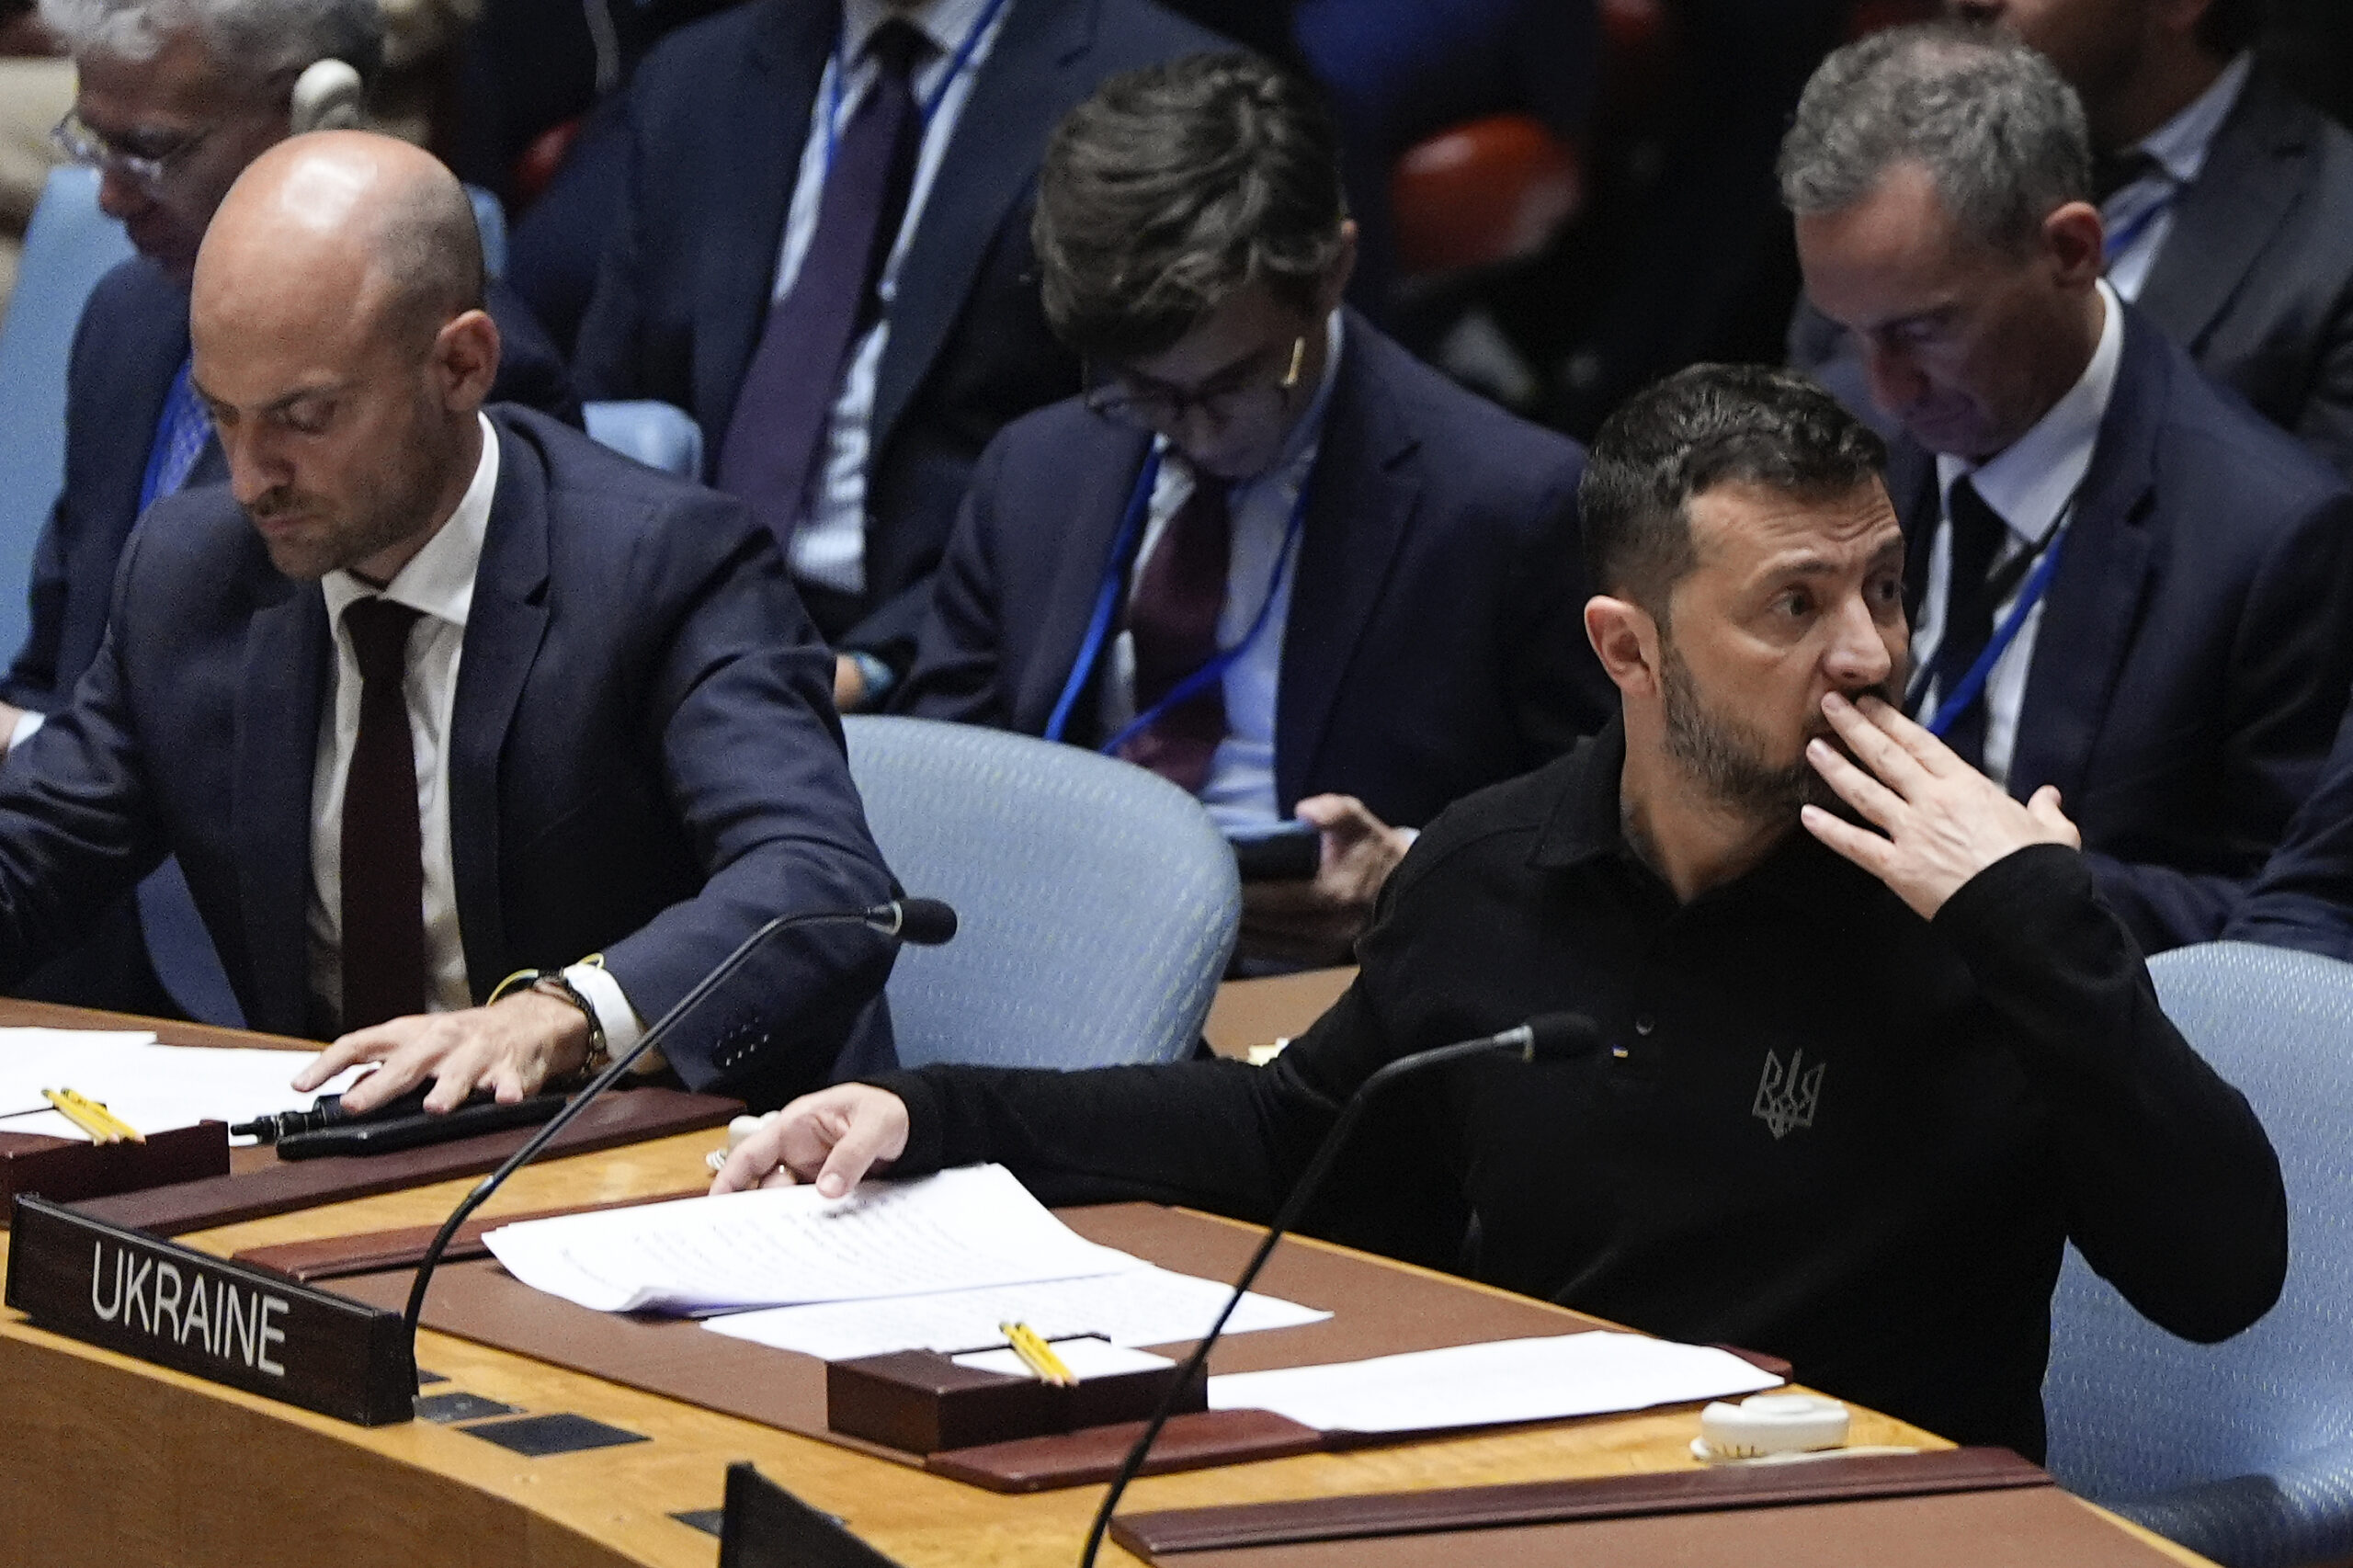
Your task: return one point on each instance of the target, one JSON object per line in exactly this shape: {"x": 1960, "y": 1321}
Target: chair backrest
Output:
{"x": 69, "y": 246}
{"x": 1098, "y": 903}
{"x": 1482, "y": 193}
{"x": 489, "y": 220}
{"x": 659, "y": 434}
{"x": 2135, "y": 1412}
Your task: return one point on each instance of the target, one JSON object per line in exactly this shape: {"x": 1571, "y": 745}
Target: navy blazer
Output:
{"x": 2256, "y": 278}
{"x": 2196, "y": 646}
{"x": 718, "y": 115}
{"x": 1436, "y": 640}
{"x": 2304, "y": 898}
{"x": 644, "y": 762}
{"x": 129, "y": 343}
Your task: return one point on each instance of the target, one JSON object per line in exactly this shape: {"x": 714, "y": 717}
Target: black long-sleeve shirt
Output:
{"x": 1819, "y": 1126}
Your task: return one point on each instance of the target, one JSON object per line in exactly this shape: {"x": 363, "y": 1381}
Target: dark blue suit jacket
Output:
{"x": 2304, "y": 898}
{"x": 131, "y": 342}
{"x": 644, "y": 762}
{"x": 1436, "y": 640}
{"x": 718, "y": 115}
{"x": 2196, "y": 646}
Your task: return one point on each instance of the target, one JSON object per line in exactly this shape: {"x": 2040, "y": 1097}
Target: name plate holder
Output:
{"x": 132, "y": 1293}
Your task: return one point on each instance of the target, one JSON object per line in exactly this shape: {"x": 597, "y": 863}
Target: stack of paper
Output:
{"x": 955, "y": 1231}
{"x": 1143, "y": 1305}
{"x": 1595, "y": 1373}
{"x": 154, "y": 1088}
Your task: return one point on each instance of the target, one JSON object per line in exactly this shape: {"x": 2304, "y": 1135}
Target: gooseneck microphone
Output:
{"x": 925, "y": 922}
{"x": 1550, "y": 1037}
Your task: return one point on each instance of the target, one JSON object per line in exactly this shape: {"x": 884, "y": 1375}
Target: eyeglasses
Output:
{"x": 151, "y": 169}
{"x": 1158, "y": 408}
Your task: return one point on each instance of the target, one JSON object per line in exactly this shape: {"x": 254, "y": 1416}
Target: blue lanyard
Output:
{"x": 956, "y": 67}
{"x": 1106, "y": 600}
{"x": 1972, "y": 684}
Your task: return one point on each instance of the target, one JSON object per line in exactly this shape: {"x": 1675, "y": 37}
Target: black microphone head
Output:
{"x": 926, "y": 922}
{"x": 1556, "y": 1037}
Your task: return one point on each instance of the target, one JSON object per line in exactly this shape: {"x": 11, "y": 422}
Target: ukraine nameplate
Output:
{"x": 179, "y": 1308}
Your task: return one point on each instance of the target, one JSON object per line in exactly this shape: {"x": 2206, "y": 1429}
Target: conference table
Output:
{"x": 106, "y": 1460}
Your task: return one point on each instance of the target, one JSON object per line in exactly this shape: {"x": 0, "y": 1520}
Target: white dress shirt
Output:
{"x": 439, "y": 582}
{"x": 829, "y": 547}
{"x": 2029, "y": 486}
{"x": 1240, "y": 793}
{"x": 2181, "y": 147}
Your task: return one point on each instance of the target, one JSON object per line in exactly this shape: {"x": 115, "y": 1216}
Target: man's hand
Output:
{"x": 1317, "y": 922}
{"x": 849, "y": 685}
{"x": 513, "y": 1049}
{"x": 834, "y": 1137}
{"x": 1944, "y": 822}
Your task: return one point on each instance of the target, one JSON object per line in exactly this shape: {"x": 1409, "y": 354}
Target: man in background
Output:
{"x": 174, "y": 101}
{"x": 823, "y": 254}
{"x": 2124, "y": 583}
{"x": 1269, "y": 555}
{"x": 2224, "y": 199}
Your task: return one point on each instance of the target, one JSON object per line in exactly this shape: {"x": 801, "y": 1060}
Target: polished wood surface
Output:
{"x": 1249, "y": 1014}
{"x": 107, "y": 1461}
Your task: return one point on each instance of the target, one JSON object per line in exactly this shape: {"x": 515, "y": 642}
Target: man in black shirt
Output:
{"x": 1856, "y": 1086}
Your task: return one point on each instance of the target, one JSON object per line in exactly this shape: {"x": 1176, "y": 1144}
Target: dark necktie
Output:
{"x": 771, "y": 449}
{"x": 1173, "y": 619}
{"x": 384, "y": 845}
{"x": 1971, "y": 595}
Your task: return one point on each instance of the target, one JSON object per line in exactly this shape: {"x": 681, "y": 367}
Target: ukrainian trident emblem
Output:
{"x": 1786, "y": 1097}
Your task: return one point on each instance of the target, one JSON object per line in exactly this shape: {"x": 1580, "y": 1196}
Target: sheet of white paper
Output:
{"x": 1479, "y": 1385}
{"x": 1084, "y": 1358}
{"x": 1138, "y": 1306}
{"x": 777, "y": 1246}
{"x": 154, "y": 1088}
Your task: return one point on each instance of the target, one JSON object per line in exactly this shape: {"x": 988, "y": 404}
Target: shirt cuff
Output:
{"x": 26, "y": 723}
{"x": 623, "y": 1029}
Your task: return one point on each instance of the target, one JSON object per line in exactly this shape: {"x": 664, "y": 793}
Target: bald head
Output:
{"x": 349, "y": 220}
{"x": 341, "y": 344}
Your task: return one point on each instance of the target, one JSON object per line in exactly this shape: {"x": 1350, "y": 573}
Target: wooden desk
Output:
{"x": 106, "y": 1460}
{"x": 1248, "y": 1013}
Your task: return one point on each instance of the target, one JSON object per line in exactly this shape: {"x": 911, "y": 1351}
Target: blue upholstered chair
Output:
{"x": 658, "y": 434}
{"x": 2242, "y": 1451}
{"x": 70, "y": 245}
{"x": 1098, "y": 903}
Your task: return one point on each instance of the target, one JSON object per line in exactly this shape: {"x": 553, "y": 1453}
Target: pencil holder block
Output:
{"x": 920, "y": 1402}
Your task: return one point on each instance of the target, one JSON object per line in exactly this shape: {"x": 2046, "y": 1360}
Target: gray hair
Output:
{"x": 252, "y": 40}
{"x": 1996, "y": 127}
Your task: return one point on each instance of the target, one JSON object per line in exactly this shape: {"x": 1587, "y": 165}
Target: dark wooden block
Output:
{"x": 67, "y": 1170}
{"x": 920, "y": 1402}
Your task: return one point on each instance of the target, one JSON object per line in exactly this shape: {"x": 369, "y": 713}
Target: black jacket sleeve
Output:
{"x": 2173, "y": 1192}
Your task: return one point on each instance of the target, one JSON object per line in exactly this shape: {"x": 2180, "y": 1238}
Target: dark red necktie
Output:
{"x": 771, "y": 452}
{"x": 384, "y": 844}
{"x": 1173, "y": 618}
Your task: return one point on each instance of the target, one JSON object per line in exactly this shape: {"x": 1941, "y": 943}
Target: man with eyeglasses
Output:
{"x": 176, "y": 97}
{"x": 1268, "y": 554}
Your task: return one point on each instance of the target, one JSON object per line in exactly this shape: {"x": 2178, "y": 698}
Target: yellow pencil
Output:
{"x": 1037, "y": 1355}
{"x": 101, "y": 1124}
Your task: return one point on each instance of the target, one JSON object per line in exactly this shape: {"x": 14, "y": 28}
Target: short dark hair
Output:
{"x": 1176, "y": 185}
{"x": 2230, "y": 26}
{"x": 1682, "y": 437}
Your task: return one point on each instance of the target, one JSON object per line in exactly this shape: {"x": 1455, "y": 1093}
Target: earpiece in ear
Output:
{"x": 328, "y": 97}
